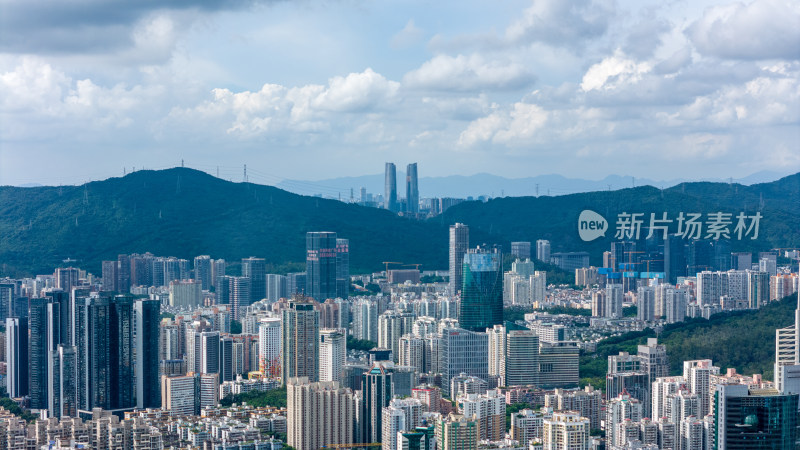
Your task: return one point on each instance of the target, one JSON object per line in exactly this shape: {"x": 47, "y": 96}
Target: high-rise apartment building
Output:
{"x": 321, "y": 265}
{"x": 585, "y": 402}
{"x": 489, "y": 409}
{"x": 62, "y": 392}
{"x": 459, "y": 243}
{"x": 377, "y": 392}
{"x": 391, "y": 326}
{"x": 109, "y": 272}
{"x": 565, "y": 430}
{"x": 482, "y": 291}
{"x": 300, "y": 340}
{"x": 147, "y": 316}
{"x": 412, "y": 189}
{"x": 319, "y": 414}
{"x": 456, "y": 432}
{"x": 187, "y": 395}
{"x": 209, "y": 352}
{"x": 332, "y": 354}
{"x": 697, "y": 374}
{"x": 185, "y": 294}
{"x": 66, "y": 278}
{"x": 614, "y": 297}
{"x": 269, "y": 346}
{"x": 17, "y": 380}
{"x": 276, "y": 287}
{"x": 619, "y": 409}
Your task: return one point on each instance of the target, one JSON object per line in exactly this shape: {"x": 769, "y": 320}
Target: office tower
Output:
{"x": 674, "y": 258}
{"x": 342, "y": 268}
{"x": 123, "y": 274}
{"x": 109, "y": 271}
{"x": 619, "y": 409}
{"x": 613, "y": 304}
{"x": 459, "y": 243}
{"x": 390, "y": 188}
{"x": 456, "y": 432}
{"x": 412, "y": 189}
{"x": 269, "y": 346}
{"x": 62, "y": 388}
{"x": 218, "y": 267}
{"x": 697, "y": 374}
{"x": 768, "y": 262}
{"x": 482, "y": 292}
{"x": 332, "y": 354}
{"x": 754, "y": 421}
{"x": 757, "y": 289}
{"x": 462, "y": 352}
{"x": 66, "y": 278}
{"x": 565, "y": 430}
{"x": 225, "y": 355}
{"x": 321, "y": 265}
{"x": 256, "y": 270}
{"x": 391, "y": 326}
{"x": 742, "y": 261}
{"x": 39, "y": 351}
{"x": 376, "y": 388}
{"x": 497, "y": 351}
{"x": 586, "y": 402}
{"x": 276, "y": 287}
{"x": 522, "y": 358}
{"x": 543, "y": 250}
{"x": 209, "y": 352}
{"x": 187, "y": 395}
{"x": 185, "y": 294}
{"x": 104, "y": 341}
{"x": 17, "y": 380}
{"x": 521, "y": 250}
{"x": 489, "y": 409}
{"x": 300, "y": 340}
{"x": 203, "y": 271}
{"x": 147, "y": 314}
{"x": 319, "y": 414}
{"x": 700, "y": 256}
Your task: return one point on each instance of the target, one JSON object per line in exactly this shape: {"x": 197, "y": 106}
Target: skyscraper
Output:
{"x": 459, "y": 243}
{"x": 342, "y": 268}
{"x": 62, "y": 393}
{"x": 543, "y": 250}
{"x": 123, "y": 274}
{"x": 209, "y": 352}
{"x": 521, "y": 250}
{"x": 17, "y": 357}
{"x": 390, "y": 198}
{"x": 376, "y": 386}
{"x": 762, "y": 421}
{"x": 300, "y": 340}
{"x": 332, "y": 354}
{"x": 319, "y": 414}
{"x": 269, "y": 346}
{"x": 147, "y": 317}
{"x": 482, "y": 291}
{"x": 109, "y": 269}
{"x": 412, "y": 189}
{"x": 202, "y": 271}
{"x": 321, "y": 265}
{"x": 256, "y": 270}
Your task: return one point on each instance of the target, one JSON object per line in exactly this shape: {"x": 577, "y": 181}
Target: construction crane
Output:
{"x": 387, "y": 265}
{"x": 371, "y": 444}
{"x": 416, "y": 266}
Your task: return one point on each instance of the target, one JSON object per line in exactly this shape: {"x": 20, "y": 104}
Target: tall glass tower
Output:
{"x": 412, "y": 189}
{"x": 321, "y": 265}
{"x": 482, "y": 291}
{"x": 390, "y": 197}
{"x": 459, "y": 242}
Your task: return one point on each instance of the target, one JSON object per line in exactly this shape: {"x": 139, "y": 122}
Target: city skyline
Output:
{"x": 585, "y": 89}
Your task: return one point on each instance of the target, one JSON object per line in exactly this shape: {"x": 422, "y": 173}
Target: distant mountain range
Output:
{"x": 460, "y": 186}
{"x": 184, "y": 212}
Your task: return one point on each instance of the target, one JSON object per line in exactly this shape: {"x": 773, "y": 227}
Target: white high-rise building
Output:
{"x": 393, "y": 422}
{"x": 186, "y": 294}
{"x": 660, "y": 390}
{"x": 459, "y": 243}
{"x": 675, "y": 304}
{"x": 698, "y": 379}
{"x": 490, "y": 411}
{"x": 391, "y": 326}
{"x": 566, "y": 431}
{"x": 618, "y": 410}
{"x": 497, "y": 351}
{"x": 318, "y": 414}
{"x": 332, "y": 354}
{"x": 412, "y": 353}
{"x": 614, "y": 297}
{"x": 646, "y": 303}
{"x": 710, "y": 287}
{"x": 269, "y": 345}
{"x": 543, "y": 250}
{"x": 539, "y": 286}
{"x": 787, "y": 355}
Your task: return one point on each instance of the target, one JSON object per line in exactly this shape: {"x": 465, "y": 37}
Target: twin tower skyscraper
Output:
{"x": 390, "y": 202}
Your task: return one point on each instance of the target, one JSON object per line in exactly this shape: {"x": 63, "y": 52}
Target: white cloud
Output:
{"x": 408, "y": 36}
{"x": 468, "y": 73}
{"x": 614, "y": 72}
{"x": 517, "y": 125}
{"x": 763, "y": 29}
{"x": 561, "y": 23}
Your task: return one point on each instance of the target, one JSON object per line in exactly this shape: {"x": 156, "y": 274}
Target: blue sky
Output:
{"x": 315, "y": 90}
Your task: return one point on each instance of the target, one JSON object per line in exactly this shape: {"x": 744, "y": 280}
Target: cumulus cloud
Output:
{"x": 560, "y": 23}
{"x": 519, "y": 124}
{"x": 465, "y": 73}
{"x": 614, "y": 72}
{"x": 408, "y": 36}
{"x": 763, "y": 29}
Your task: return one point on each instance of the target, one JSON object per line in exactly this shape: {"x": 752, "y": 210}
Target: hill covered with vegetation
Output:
{"x": 743, "y": 340}
{"x": 183, "y": 212}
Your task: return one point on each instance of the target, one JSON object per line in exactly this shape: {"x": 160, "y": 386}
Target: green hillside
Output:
{"x": 555, "y": 218}
{"x": 183, "y": 212}
{"x": 744, "y": 340}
